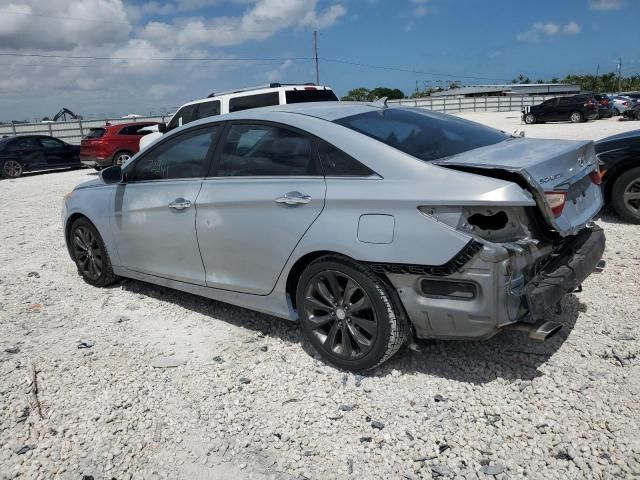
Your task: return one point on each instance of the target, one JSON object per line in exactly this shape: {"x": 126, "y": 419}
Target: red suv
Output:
{"x": 112, "y": 144}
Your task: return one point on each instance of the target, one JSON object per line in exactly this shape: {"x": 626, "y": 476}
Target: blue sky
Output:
{"x": 493, "y": 40}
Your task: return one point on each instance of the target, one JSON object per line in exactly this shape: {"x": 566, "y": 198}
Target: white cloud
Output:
{"x": 31, "y": 87}
{"x": 541, "y": 30}
{"x": 606, "y": 4}
{"x": 420, "y": 11}
{"x": 25, "y": 24}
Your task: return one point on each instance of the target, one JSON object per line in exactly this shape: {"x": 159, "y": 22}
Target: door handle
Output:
{"x": 180, "y": 204}
{"x": 293, "y": 198}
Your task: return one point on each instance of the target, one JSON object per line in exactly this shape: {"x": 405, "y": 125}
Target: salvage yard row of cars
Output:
{"x": 583, "y": 107}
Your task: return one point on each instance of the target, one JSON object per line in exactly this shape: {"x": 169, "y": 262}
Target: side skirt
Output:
{"x": 268, "y": 304}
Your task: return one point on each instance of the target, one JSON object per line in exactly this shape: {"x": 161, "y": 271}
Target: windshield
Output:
{"x": 95, "y": 133}
{"x": 423, "y": 134}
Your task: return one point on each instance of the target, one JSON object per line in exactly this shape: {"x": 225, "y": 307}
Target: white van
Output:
{"x": 242, "y": 99}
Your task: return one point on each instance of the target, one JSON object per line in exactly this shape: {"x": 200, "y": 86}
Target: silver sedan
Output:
{"x": 369, "y": 225}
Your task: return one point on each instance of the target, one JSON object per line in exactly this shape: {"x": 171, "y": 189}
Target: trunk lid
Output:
{"x": 547, "y": 166}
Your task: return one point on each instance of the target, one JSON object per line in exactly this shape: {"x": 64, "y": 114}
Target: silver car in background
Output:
{"x": 367, "y": 224}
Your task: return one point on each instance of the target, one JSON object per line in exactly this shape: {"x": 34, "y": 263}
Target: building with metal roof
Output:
{"x": 515, "y": 89}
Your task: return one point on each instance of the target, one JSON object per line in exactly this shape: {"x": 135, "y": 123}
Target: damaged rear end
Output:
{"x": 529, "y": 257}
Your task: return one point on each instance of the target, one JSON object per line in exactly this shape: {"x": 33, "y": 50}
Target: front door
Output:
{"x": 28, "y": 152}
{"x": 266, "y": 191}
{"x": 154, "y": 214}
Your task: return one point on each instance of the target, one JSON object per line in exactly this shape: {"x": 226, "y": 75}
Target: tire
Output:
{"x": 616, "y": 112}
{"x": 576, "y": 117}
{"x": 638, "y": 115}
{"x": 343, "y": 339}
{"x": 95, "y": 268}
{"x": 530, "y": 119}
{"x": 121, "y": 157}
{"x": 626, "y": 185}
{"x": 12, "y": 169}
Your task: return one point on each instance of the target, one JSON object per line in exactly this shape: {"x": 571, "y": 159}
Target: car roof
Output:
{"x": 329, "y": 111}
{"x": 255, "y": 91}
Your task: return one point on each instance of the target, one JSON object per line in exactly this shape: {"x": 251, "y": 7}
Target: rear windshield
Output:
{"x": 303, "y": 96}
{"x": 423, "y": 134}
{"x": 95, "y": 133}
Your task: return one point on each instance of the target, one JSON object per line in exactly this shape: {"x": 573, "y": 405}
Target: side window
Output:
{"x": 209, "y": 109}
{"x": 253, "y": 101}
{"x": 23, "y": 143}
{"x": 51, "y": 143}
{"x": 265, "y": 150}
{"x": 184, "y": 156}
{"x": 183, "y": 116}
{"x": 133, "y": 129}
{"x": 336, "y": 163}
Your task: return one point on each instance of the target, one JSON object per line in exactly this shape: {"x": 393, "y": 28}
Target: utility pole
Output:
{"x": 595, "y": 83}
{"x": 619, "y": 71}
{"x": 315, "y": 48}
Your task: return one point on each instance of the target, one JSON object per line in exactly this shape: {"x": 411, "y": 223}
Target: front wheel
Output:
{"x": 90, "y": 255}
{"x": 576, "y": 117}
{"x": 12, "y": 169}
{"x": 529, "y": 119}
{"x": 625, "y": 195}
{"x": 348, "y": 315}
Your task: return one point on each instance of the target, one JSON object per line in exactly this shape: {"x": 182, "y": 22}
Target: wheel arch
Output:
{"x": 69, "y": 223}
{"x": 293, "y": 276}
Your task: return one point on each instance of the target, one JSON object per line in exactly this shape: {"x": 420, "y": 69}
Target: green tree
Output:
{"x": 360, "y": 94}
{"x": 390, "y": 93}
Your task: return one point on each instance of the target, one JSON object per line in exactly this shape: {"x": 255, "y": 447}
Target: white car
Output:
{"x": 242, "y": 99}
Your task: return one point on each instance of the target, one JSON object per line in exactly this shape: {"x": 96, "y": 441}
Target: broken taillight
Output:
{"x": 596, "y": 177}
{"x": 556, "y": 201}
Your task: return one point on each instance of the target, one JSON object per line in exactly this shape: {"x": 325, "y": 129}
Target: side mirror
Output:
{"x": 162, "y": 128}
{"x": 111, "y": 175}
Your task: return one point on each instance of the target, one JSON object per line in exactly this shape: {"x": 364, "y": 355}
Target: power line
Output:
{"x": 409, "y": 70}
{"x": 175, "y": 59}
{"x": 283, "y": 59}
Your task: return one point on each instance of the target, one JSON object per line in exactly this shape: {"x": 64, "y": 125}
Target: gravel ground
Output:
{"x": 592, "y": 130}
{"x": 176, "y": 386}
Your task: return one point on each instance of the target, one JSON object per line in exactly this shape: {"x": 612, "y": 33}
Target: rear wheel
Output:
{"x": 121, "y": 157}
{"x": 576, "y": 117}
{"x": 625, "y": 195}
{"x": 616, "y": 112}
{"x": 348, "y": 315}
{"x": 11, "y": 169}
{"x": 90, "y": 254}
{"x": 638, "y": 115}
{"x": 529, "y": 119}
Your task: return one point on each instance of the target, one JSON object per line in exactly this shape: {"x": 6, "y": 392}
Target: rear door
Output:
{"x": 154, "y": 212}
{"x": 265, "y": 191}
{"x": 55, "y": 152}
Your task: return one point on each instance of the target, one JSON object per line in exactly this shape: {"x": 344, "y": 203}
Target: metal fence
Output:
{"x": 71, "y": 131}
{"x": 474, "y": 104}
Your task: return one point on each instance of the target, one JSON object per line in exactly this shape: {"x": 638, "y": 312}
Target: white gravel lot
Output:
{"x": 592, "y": 130}
{"x": 249, "y": 401}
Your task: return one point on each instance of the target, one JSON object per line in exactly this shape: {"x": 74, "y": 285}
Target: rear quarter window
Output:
{"x": 315, "y": 95}
{"x": 246, "y": 102}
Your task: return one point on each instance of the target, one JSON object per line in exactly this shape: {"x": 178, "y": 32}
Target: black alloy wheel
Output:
{"x": 625, "y": 195}
{"x": 11, "y": 169}
{"x": 348, "y": 314}
{"x": 90, "y": 255}
{"x": 340, "y": 314}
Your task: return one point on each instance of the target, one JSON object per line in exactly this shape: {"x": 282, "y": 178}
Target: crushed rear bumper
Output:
{"x": 568, "y": 268}
{"x": 501, "y": 285}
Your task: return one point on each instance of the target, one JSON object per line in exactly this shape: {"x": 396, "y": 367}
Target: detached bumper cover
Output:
{"x": 562, "y": 275}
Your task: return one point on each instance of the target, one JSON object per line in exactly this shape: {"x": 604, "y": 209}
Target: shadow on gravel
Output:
{"x": 509, "y": 355}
